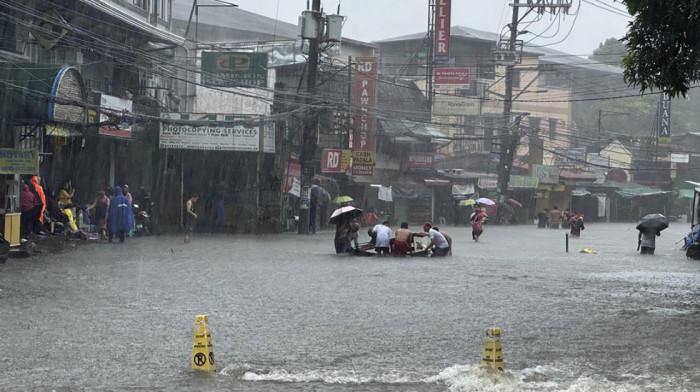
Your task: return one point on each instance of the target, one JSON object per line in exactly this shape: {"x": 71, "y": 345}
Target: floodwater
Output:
{"x": 286, "y": 314}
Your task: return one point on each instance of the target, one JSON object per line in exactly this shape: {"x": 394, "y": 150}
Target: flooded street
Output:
{"x": 286, "y": 314}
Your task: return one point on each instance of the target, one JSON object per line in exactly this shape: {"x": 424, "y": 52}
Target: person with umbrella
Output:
{"x": 342, "y": 218}
{"x": 649, "y": 228}
{"x": 478, "y": 219}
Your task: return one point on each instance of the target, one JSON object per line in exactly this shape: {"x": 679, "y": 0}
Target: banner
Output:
{"x": 418, "y": 160}
{"x": 335, "y": 161}
{"x": 365, "y": 101}
{"x": 14, "y": 161}
{"x": 443, "y": 10}
{"x": 453, "y": 77}
{"x": 456, "y": 106}
{"x": 234, "y": 69}
{"x": 221, "y": 138}
{"x": 546, "y": 174}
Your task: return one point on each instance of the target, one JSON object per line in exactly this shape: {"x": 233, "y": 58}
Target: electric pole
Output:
{"x": 505, "y": 163}
{"x": 308, "y": 149}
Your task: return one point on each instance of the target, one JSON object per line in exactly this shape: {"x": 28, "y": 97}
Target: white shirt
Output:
{"x": 438, "y": 239}
{"x": 383, "y": 236}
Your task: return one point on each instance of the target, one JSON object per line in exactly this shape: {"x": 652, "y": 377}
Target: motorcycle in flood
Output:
{"x": 142, "y": 221}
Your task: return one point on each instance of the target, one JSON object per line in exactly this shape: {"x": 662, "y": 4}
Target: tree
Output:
{"x": 609, "y": 52}
{"x": 663, "y": 41}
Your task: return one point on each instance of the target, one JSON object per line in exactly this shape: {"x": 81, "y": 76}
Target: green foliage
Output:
{"x": 609, "y": 52}
{"x": 663, "y": 41}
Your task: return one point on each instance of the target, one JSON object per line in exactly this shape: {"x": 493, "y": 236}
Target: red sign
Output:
{"x": 292, "y": 170}
{"x": 452, "y": 76}
{"x": 443, "y": 9}
{"x": 362, "y": 170}
{"x": 365, "y": 101}
{"x": 420, "y": 161}
{"x": 335, "y": 161}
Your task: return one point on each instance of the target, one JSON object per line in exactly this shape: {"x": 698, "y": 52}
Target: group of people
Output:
{"x": 401, "y": 245}
{"x": 111, "y": 210}
{"x": 556, "y": 219}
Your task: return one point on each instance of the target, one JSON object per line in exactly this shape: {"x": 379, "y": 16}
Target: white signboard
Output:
{"x": 546, "y": 174}
{"x": 680, "y": 158}
{"x": 456, "y": 106}
{"x": 238, "y": 137}
{"x": 269, "y": 138}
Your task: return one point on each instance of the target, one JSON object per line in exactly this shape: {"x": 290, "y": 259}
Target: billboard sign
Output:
{"x": 417, "y": 160}
{"x": 238, "y": 137}
{"x": 335, "y": 161}
{"x": 456, "y": 106}
{"x": 14, "y": 161}
{"x": 443, "y": 10}
{"x": 115, "y": 106}
{"x": 665, "y": 120}
{"x": 453, "y": 77}
{"x": 365, "y": 101}
{"x": 680, "y": 158}
{"x": 234, "y": 69}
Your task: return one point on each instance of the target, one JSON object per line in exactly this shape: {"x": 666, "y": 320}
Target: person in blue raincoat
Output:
{"x": 121, "y": 217}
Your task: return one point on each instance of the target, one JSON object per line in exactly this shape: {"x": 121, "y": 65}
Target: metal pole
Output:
{"x": 567, "y": 242}
{"x": 308, "y": 150}
{"x": 504, "y": 165}
{"x": 600, "y": 128}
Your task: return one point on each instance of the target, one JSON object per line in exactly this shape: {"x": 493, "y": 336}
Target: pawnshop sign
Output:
{"x": 443, "y": 10}
{"x": 365, "y": 100}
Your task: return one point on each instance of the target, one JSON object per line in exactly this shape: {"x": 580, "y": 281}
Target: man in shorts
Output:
{"x": 190, "y": 217}
{"x": 402, "y": 242}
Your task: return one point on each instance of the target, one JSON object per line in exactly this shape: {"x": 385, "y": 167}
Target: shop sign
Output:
{"x": 420, "y": 161}
{"x": 115, "y": 107}
{"x": 13, "y": 161}
{"x": 452, "y": 77}
{"x": 335, "y": 161}
{"x": 363, "y": 157}
{"x": 292, "y": 172}
{"x": 234, "y": 69}
{"x": 546, "y": 174}
{"x": 443, "y": 10}
{"x": 239, "y": 137}
{"x": 523, "y": 182}
{"x": 365, "y": 100}
{"x": 456, "y": 106}
{"x": 680, "y": 158}
{"x": 362, "y": 170}
{"x": 665, "y": 120}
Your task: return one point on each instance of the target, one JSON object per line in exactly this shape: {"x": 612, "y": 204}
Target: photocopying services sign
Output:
{"x": 19, "y": 161}
{"x": 113, "y": 108}
{"x": 665, "y": 120}
{"x": 420, "y": 161}
{"x": 335, "y": 161}
{"x": 443, "y": 10}
{"x": 456, "y": 106}
{"x": 234, "y": 69}
{"x": 452, "y": 77}
{"x": 238, "y": 137}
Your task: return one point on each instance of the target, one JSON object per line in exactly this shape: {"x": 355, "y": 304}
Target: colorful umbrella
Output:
{"x": 347, "y": 212}
{"x": 485, "y": 201}
{"x": 342, "y": 199}
{"x": 514, "y": 203}
{"x": 468, "y": 202}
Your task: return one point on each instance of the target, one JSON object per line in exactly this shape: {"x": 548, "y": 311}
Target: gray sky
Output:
{"x": 371, "y": 20}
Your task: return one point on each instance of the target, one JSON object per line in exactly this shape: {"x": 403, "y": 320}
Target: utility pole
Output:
{"x": 504, "y": 164}
{"x": 308, "y": 149}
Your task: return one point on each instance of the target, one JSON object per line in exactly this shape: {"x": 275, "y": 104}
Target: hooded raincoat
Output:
{"x": 40, "y": 191}
{"x": 121, "y": 217}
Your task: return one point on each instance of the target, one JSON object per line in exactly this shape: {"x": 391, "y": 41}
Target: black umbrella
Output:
{"x": 653, "y": 223}
{"x": 347, "y": 212}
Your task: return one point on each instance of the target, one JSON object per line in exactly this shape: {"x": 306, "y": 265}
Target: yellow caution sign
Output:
{"x": 493, "y": 351}
{"x": 203, "y": 349}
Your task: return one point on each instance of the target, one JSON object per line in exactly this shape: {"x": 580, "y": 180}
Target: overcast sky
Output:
{"x": 372, "y": 20}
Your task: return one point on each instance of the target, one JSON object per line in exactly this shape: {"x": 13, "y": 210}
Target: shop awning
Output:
{"x": 406, "y": 131}
{"x": 436, "y": 182}
{"x": 59, "y": 131}
{"x": 630, "y": 190}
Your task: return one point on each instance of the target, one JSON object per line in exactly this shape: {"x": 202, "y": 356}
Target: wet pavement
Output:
{"x": 287, "y": 314}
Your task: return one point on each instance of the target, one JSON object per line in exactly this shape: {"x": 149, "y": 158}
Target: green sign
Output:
{"x": 234, "y": 69}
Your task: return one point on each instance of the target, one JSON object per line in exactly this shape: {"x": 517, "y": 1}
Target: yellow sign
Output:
{"x": 363, "y": 157}
{"x": 14, "y": 161}
{"x": 203, "y": 349}
{"x": 493, "y": 350}
{"x": 50, "y": 29}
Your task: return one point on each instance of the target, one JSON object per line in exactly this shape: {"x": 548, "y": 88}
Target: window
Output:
{"x": 516, "y": 78}
{"x": 161, "y": 10}
{"x": 143, "y": 4}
